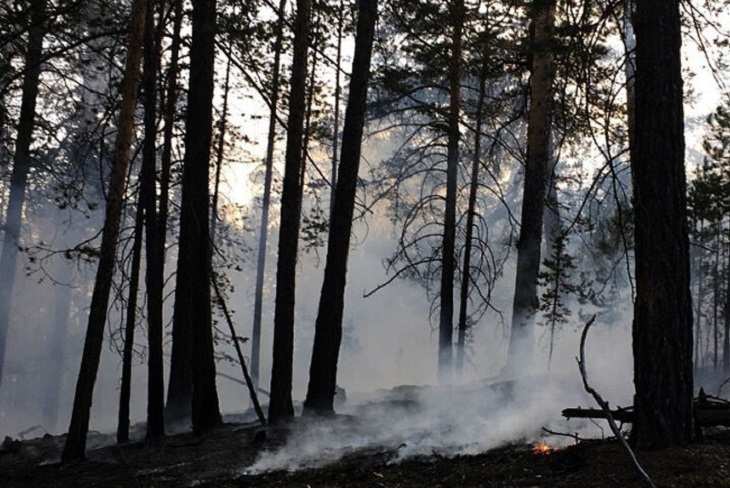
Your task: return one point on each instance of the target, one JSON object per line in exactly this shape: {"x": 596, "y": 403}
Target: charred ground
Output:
{"x": 218, "y": 460}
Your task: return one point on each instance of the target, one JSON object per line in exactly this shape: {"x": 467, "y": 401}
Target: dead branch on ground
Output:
{"x": 606, "y": 409}
{"x": 575, "y": 436}
{"x": 249, "y": 382}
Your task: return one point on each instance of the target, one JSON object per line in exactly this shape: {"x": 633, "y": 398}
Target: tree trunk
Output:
{"x": 630, "y": 72}
{"x": 726, "y": 335}
{"x": 470, "y": 214}
{"x": 264, "y": 229}
{"x": 155, "y": 266}
{"x": 554, "y": 242}
{"x": 662, "y": 330}
{"x": 220, "y": 152}
{"x": 57, "y": 349}
{"x": 192, "y": 312}
{"x": 76, "y": 440}
{"x": 716, "y": 299}
{"x": 446, "y": 295}
{"x": 328, "y": 326}
{"x": 309, "y": 105}
{"x": 21, "y": 167}
{"x": 280, "y": 404}
{"x": 4, "y": 153}
{"x": 552, "y": 226}
{"x": 336, "y": 122}
{"x": 125, "y": 389}
{"x": 179, "y": 390}
{"x": 524, "y": 307}
{"x": 698, "y": 309}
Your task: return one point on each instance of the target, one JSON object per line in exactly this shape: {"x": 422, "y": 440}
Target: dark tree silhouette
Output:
{"x": 662, "y": 331}
{"x": 328, "y": 327}
{"x": 177, "y": 408}
{"x": 148, "y": 199}
{"x": 280, "y": 406}
{"x": 525, "y": 302}
{"x": 21, "y": 167}
{"x": 192, "y": 312}
{"x": 448, "y": 259}
{"x": 76, "y": 440}
{"x": 268, "y": 176}
{"x": 125, "y": 389}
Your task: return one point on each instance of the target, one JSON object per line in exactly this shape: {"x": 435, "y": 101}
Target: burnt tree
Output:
{"x": 21, "y": 168}
{"x": 525, "y": 302}
{"x": 280, "y": 405}
{"x": 192, "y": 311}
{"x": 154, "y": 278}
{"x": 266, "y": 200}
{"x": 448, "y": 260}
{"x": 662, "y": 329}
{"x": 328, "y": 326}
{"x": 177, "y": 408}
{"x": 78, "y": 430}
{"x": 125, "y": 389}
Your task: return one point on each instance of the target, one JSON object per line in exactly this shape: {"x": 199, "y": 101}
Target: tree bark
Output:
{"x": 192, "y": 311}
{"x": 630, "y": 72}
{"x": 76, "y": 440}
{"x": 280, "y": 405}
{"x": 462, "y": 326}
{"x": 220, "y": 153}
{"x": 726, "y": 335}
{"x": 552, "y": 227}
{"x": 336, "y": 121}
{"x": 525, "y": 304}
{"x": 21, "y": 167}
{"x": 448, "y": 260}
{"x": 264, "y": 229}
{"x": 698, "y": 310}
{"x": 126, "y": 385}
{"x": 155, "y": 266}
{"x": 328, "y": 326}
{"x": 662, "y": 329}
{"x": 179, "y": 391}
{"x": 716, "y": 297}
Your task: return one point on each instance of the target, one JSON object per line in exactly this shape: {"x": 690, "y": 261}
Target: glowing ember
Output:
{"x": 543, "y": 449}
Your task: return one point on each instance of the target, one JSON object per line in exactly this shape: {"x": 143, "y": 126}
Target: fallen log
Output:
{"x": 623, "y": 415}
{"x": 709, "y": 412}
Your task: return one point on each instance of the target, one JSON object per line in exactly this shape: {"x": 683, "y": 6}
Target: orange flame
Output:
{"x": 543, "y": 449}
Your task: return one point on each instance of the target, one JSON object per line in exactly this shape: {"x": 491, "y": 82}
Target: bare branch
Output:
{"x": 606, "y": 409}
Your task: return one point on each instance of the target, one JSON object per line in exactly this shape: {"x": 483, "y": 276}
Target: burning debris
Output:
{"x": 542, "y": 449}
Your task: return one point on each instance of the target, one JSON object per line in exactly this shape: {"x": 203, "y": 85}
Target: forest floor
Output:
{"x": 404, "y": 437}
{"x": 216, "y": 460}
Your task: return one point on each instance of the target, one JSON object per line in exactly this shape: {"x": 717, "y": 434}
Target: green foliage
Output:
{"x": 556, "y": 278}
{"x": 709, "y": 216}
{"x": 709, "y": 193}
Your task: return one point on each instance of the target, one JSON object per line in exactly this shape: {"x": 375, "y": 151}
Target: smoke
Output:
{"x": 395, "y": 409}
{"x": 388, "y": 341}
{"x": 446, "y": 421}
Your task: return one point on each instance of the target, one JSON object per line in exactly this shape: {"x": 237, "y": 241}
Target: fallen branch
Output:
{"x": 708, "y": 413}
{"x": 249, "y": 382}
{"x": 575, "y": 437}
{"x": 605, "y": 408}
{"x": 722, "y": 385}
{"x": 623, "y": 415}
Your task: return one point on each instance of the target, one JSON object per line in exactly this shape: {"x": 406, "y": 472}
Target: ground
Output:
{"x": 407, "y": 436}
{"x": 217, "y": 460}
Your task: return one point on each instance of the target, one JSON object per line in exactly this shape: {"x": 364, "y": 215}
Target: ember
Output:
{"x": 543, "y": 449}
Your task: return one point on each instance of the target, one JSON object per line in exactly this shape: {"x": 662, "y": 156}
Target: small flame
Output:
{"x": 543, "y": 449}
